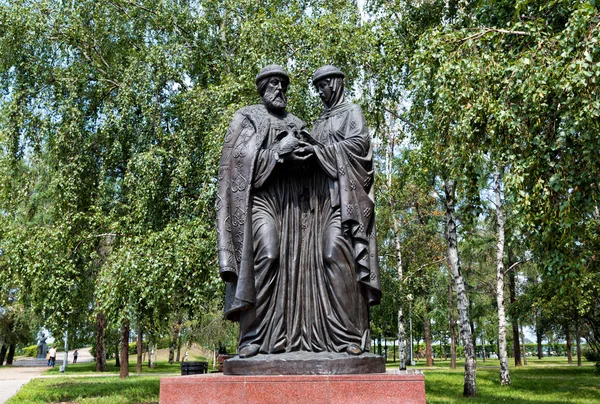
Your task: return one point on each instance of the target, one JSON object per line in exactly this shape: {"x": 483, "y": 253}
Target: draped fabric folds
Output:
{"x": 297, "y": 239}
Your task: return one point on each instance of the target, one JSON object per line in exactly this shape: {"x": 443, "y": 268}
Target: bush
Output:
{"x": 591, "y": 356}
{"x": 109, "y": 353}
{"x": 163, "y": 342}
{"x": 133, "y": 348}
{"x": 30, "y": 350}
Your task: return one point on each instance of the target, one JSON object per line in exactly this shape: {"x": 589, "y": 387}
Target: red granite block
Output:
{"x": 377, "y": 391}
{"x": 391, "y": 387}
{"x": 201, "y": 389}
{"x": 286, "y": 391}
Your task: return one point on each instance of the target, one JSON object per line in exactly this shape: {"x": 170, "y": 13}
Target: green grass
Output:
{"x": 528, "y": 385}
{"x": 90, "y": 368}
{"x": 547, "y": 380}
{"x": 542, "y": 381}
{"x": 89, "y": 390}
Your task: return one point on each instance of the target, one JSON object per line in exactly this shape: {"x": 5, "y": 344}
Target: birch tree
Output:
{"x": 470, "y": 380}
{"x": 502, "y": 354}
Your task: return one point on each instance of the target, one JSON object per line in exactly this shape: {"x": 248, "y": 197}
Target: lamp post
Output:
{"x": 410, "y": 299}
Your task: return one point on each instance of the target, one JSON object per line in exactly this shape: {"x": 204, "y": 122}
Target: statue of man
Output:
{"x": 295, "y": 224}
{"x": 258, "y": 223}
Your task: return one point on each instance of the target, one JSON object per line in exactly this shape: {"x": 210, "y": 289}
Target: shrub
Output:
{"x": 591, "y": 355}
{"x": 132, "y": 348}
{"x": 30, "y": 350}
{"x": 109, "y": 353}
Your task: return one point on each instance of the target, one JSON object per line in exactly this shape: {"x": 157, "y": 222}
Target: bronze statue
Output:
{"x": 296, "y": 225}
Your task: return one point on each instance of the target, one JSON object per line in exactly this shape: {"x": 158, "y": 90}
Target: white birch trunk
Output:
{"x": 401, "y": 330}
{"x": 484, "y": 354}
{"x": 502, "y": 355}
{"x": 470, "y": 383}
{"x": 452, "y": 333}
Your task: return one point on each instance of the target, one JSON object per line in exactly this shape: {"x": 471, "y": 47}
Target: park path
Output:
{"x": 12, "y": 378}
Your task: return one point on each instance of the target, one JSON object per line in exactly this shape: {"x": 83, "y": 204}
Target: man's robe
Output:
{"x": 245, "y": 164}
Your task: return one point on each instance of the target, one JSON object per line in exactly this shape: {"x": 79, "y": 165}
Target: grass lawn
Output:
{"x": 90, "y": 368}
{"x": 533, "y": 384}
{"x": 89, "y": 389}
{"x": 542, "y": 381}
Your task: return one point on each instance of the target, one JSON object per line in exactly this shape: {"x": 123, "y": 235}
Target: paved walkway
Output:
{"x": 12, "y": 378}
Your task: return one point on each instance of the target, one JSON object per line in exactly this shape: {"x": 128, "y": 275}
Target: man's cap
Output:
{"x": 272, "y": 70}
{"x": 327, "y": 71}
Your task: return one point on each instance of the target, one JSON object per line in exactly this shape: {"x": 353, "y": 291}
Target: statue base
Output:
{"x": 305, "y": 363}
{"x": 383, "y": 388}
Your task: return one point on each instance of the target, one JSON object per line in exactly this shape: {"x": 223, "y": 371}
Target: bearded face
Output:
{"x": 274, "y": 96}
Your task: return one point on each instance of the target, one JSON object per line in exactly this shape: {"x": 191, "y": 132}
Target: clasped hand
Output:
{"x": 302, "y": 152}
{"x": 292, "y": 148}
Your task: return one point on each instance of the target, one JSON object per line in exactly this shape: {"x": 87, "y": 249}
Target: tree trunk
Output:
{"x": 483, "y": 350}
{"x": 452, "y": 330}
{"x": 470, "y": 382}
{"x": 443, "y": 344}
{"x": 472, "y": 325}
{"x": 124, "y": 369}
{"x": 524, "y": 347}
{"x": 150, "y": 356}
{"x": 178, "y": 358}
{"x": 540, "y": 352}
{"x": 117, "y": 355}
{"x": 502, "y": 354}
{"x": 140, "y": 350}
{"x": 11, "y": 354}
{"x": 385, "y": 350}
{"x": 3, "y": 354}
{"x": 100, "y": 355}
{"x": 174, "y": 339}
{"x": 578, "y": 341}
{"x": 512, "y": 288}
{"x": 427, "y": 328}
{"x": 569, "y": 345}
{"x": 401, "y": 329}
{"x": 397, "y": 244}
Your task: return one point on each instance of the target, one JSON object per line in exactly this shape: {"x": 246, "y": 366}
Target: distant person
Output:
{"x": 186, "y": 356}
{"x": 48, "y": 358}
{"x": 52, "y": 353}
{"x": 75, "y": 354}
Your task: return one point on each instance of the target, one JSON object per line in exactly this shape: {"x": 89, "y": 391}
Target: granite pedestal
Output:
{"x": 305, "y": 363}
{"x": 382, "y": 388}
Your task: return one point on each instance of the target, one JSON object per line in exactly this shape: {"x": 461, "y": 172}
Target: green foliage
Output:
{"x": 512, "y": 85}
{"x": 112, "y": 115}
{"x": 591, "y": 355}
{"x": 111, "y": 118}
{"x": 30, "y": 351}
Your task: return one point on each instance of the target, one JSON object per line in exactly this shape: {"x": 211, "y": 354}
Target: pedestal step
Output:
{"x": 381, "y": 388}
